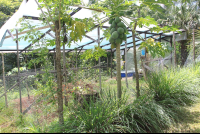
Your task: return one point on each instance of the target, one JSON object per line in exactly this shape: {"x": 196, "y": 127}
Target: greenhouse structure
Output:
{"x": 14, "y": 39}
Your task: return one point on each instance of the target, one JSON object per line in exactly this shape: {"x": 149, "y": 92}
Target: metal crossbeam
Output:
{"x": 91, "y": 38}
{"x": 85, "y": 44}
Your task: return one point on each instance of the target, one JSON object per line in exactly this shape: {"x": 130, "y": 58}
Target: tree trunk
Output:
{"x": 98, "y": 32}
{"x": 135, "y": 62}
{"x": 174, "y": 49}
{"x": 4, "y": 83}
{"x": 193, "y": 49}
{"x": 64, "y": 69}
{"x": 119, "y": 92}
{"x": 126, "y": 63}
{"x": 107, "y": 64}
{"x": 59, "y": 76}
{"x": 184, "y": 52}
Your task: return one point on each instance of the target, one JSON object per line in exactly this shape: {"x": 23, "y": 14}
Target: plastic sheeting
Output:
{"x": 30, "y": 8}
{"x": 11, "y": 23}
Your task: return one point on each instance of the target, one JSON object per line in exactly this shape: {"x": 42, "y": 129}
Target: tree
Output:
{"x": 58, "y": 14}
{"x": 182, "y": 13}
{"x": 120, "y": 7}
{"x": 7, "y": 8}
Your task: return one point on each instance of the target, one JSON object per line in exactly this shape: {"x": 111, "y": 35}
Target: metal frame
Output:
{"x": 92, "y": 39}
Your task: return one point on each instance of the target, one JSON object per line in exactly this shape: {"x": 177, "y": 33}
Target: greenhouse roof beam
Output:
{"x": 80, "y": 51}
{"x": 40, "y": 28}
{"x": 91, "y": 38}
{"x": 86, "y": 44}
{"x": 32, "y": 17}
{"x": 51, "y": 35}
{"x": 162, "y": 38}
{"x": 165, "y": 39}
{"x": 11, "y": 34}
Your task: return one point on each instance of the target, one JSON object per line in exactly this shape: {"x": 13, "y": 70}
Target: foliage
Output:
{"x": 144, "y": 115}
{"x": 155, "y": 48}
{"x": 96, "y": 52}
{"x": 15, "y": 71}
{"x": 97, "y": 116}
{"x": 174, "y": 88}
{"x": 7, "y": 9}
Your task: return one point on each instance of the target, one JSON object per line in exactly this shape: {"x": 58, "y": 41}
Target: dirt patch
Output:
{"x": 26, "y": 102}
{"x": 35, "y": 109}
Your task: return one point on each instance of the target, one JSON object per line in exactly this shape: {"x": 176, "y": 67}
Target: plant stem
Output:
{"x": 59, "y": 76}
{"x": 119, "y": 92}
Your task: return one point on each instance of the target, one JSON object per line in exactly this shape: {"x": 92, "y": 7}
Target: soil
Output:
{"x": 25, "y": 103}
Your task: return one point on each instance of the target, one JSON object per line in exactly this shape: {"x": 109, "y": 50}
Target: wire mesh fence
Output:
{"x": 32, "y": 85}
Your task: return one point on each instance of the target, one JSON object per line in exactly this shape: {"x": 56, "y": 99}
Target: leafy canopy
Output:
{"x": 155, "y": 48}
{"x": 96, "y": 52}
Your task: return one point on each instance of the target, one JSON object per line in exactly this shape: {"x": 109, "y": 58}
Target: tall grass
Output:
{"x": 96, "y": 116}
{"x": 174, "y": 88}
{"x": 179, "y": 87}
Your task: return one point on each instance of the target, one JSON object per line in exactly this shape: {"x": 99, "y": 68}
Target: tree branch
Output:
{"x": 45, "y": 16}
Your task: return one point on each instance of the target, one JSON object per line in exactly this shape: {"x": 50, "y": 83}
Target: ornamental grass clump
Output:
{"x": 173, "y": 89}
{"x": 96, "y": 116}
{"x": 144, "y": 115}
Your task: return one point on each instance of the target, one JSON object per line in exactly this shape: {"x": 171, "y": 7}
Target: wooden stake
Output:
{"x": 126, "y": 63}
{"x": 111, "y": 64}
{"x": 174, "y": 49}
{"x": 20, "y": 93}
{"x": 193, "y": 49}
{"x": 171, "y": 47}
{"x": 54, "y": 56}
{"x": 4, "y": 83}
{"x": 27, "y": 88}
{"x": 99, "y": 59}
{"x": 107, "y": 64}
{"x": 64, "y": 66}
